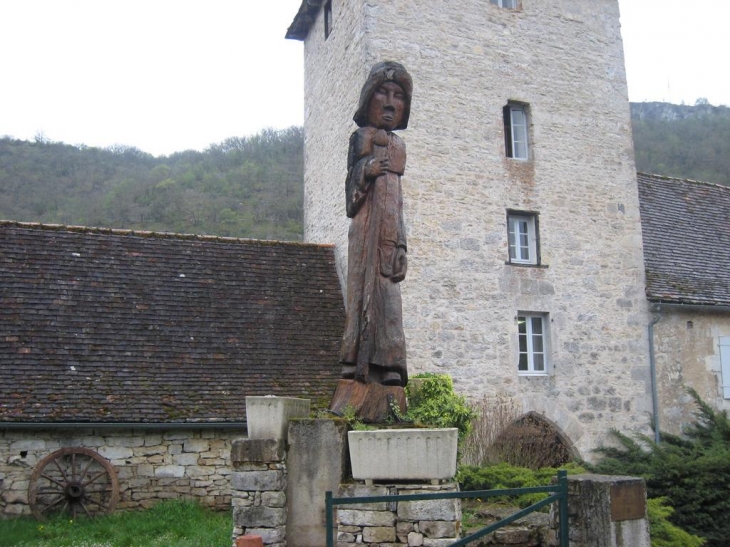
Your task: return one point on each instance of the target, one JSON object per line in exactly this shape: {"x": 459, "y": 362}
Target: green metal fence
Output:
{"x": 558, "y": 491}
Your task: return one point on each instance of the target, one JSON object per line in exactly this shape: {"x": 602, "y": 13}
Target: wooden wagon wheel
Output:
{"x": 73, "y": 481}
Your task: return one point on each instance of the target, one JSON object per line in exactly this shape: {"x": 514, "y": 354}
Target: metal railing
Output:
{"x": 559, "y": 493}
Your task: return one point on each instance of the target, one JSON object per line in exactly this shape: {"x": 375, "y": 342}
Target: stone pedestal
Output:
{"x": 371, "y": 402}
{"x": 434, "y": 523}
{"x": 317, "y": 462}
{"x": 268, "y": 417}
{"x": 403, "y": 454}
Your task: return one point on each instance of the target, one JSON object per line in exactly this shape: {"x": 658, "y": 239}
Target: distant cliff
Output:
{"x": 682, "y": 141}
{"x": 672, "y": 112}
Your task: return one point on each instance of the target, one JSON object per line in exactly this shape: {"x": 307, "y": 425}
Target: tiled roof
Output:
{"x": 686, "y": 232}
{"x": 120, "y": 326}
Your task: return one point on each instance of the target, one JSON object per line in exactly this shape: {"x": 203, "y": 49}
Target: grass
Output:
{"x": 167, "y": 524}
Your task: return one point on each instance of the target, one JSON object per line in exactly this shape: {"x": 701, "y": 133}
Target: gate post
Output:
{"x": 605, "y": 511}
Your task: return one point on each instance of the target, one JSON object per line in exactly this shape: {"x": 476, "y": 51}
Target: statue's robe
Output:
{"x": 373, "y": 340}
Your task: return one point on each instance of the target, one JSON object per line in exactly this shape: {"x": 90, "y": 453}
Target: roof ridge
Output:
{"x": 157, "y": 235}
{"x": 677, "y": 179}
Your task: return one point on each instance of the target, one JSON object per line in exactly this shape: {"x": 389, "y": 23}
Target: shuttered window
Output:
{"x": 725, "y": 364}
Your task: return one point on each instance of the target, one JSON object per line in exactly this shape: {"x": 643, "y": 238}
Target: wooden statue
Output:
{"x": 373, "y": 345}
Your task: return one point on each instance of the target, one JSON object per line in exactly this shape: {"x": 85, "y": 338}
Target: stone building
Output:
{"x": 519, "y": 131}
{"x": 142, "y": 347}
{"x": 686, "y": 231}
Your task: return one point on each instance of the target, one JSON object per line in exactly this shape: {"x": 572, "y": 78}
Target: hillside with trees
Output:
{"x": 244, "y": 187}
{"x": 252, "y": 186}
{"x": 691, "y": 142}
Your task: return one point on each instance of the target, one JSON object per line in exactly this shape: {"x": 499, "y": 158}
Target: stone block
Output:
{"x": 269, "y": 535}
{"x": 257, "y": 480}
{"x": 355, "y": 517}
{"x": 430, "y": 542}
{"x": 259, "y": 516}
{"x": 196, "y": 445}
{"x": 268, "y": 417}
{"x": 415, "y": 539}
{"x": 378, "y": 534}
{"x": 439, "y": 509}
{"x": 170, "y": 471}
{"x": 273, "y": 499}
{"x": 512, "y": 536}
{"x": 15, "y": 496}
{"x": 115, "y": 452}
{"x": 185, "y": 459}
{"x": 148, "y": 450}
{"x": 27, "y": 445}
{"x": 361, "y": 490}
{"x": 397, "y": 454}
{"x": 438, "y": 528}
{"x": 257, "y": 450}
{"x": 195, "y": 471}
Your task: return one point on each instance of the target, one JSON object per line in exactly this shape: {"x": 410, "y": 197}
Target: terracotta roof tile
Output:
{"x": 118, "y": 326}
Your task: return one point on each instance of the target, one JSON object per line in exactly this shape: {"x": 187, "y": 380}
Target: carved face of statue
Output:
{"x": 387, "y": 103}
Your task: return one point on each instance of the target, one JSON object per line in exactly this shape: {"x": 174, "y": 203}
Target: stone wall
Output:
{"x": 150, "y": 465}
{"x": 258, "y": 485}
{"x": 431, "y": 523}
{"x": 687, "y": 352}
{"x": 468, "y": 58}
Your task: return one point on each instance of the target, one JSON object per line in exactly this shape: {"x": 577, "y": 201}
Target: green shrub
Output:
{"x": 691, "y": 472}
{"x": 663, "y": 532}
{"x": 435, "y": 403}
{"x": 504, "y": 475}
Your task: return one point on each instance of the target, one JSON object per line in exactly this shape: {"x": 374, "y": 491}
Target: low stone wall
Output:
{"x": 259, "y": 490}
{"x": 151, "y": 465}
{"x": 431, "y": 523}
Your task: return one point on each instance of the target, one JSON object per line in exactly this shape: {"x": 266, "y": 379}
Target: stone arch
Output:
{"x": 534, "y": 441}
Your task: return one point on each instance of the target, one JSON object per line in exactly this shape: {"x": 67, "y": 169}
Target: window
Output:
{"x": 515, "y": 131}
{"x": 511, "y": 4}
{"x": 522, "y": 237}
{"x": 532, "y": 343}
{"x": 725, "y": 365}
{"x": 327, "y": 19}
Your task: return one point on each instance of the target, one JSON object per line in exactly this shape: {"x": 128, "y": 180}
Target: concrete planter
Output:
{"x": 268, "y": 417}
{"x": 403, "y": 454}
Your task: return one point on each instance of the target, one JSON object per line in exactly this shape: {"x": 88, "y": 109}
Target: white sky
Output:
{"x": 170, "y": 75}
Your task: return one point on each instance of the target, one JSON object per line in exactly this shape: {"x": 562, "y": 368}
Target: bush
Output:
{"x": 435, "y": 403}
{"x": 504, "y": 475}
{"x": 663, "y": 532}
{"x": 692, "y": 472}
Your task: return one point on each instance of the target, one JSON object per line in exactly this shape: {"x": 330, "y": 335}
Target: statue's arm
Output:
{"x": 359, "y": 179}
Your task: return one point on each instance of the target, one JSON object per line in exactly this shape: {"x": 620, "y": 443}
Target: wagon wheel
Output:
{"x": 73, "y": 481}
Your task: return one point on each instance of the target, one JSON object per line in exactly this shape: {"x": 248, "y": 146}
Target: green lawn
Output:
{"x": 168, "y": 524}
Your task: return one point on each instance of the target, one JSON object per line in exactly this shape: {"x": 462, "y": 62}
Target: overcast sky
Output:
{"x": 170, "y": 75}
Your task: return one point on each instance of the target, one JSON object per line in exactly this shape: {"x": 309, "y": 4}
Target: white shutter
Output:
{"x": 725, "y": 364}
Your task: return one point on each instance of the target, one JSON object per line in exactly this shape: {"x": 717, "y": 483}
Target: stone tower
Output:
{"x": 526, "y": 275}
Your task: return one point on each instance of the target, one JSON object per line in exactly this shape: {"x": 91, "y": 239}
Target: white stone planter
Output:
{"x": 268, "y": 417}
{"x": 403, "y": 454}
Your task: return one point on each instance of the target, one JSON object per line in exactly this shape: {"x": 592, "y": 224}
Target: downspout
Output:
{"x": 652, "y": 368}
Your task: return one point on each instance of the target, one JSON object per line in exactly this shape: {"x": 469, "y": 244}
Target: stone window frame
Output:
{"x": 327, "y": 19}
{"x": 533, "y": 348}
{"x": 530, "y": 221}
{"x": 506, "y": 4}
{"x": 516, "y": 117}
